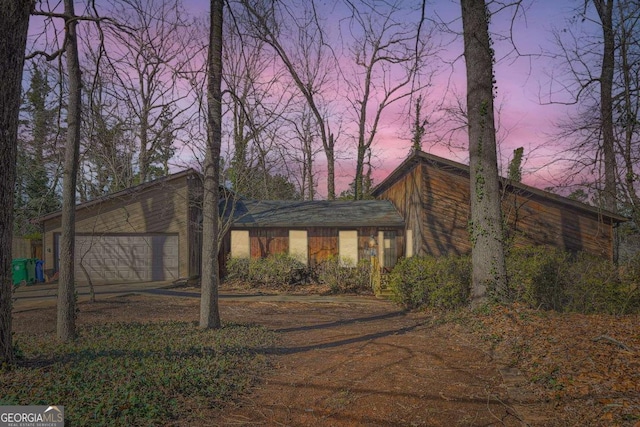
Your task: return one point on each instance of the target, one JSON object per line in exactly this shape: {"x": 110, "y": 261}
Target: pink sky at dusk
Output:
{"x": 523, "y": 119}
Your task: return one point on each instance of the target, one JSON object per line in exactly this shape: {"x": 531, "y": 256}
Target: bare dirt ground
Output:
{"x": 360, "y": 362}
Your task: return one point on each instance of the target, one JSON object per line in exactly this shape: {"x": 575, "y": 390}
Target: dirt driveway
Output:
{"x": 340, "y": 362}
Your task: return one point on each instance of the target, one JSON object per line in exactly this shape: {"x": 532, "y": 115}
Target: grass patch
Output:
{"x": 136, "y": 373}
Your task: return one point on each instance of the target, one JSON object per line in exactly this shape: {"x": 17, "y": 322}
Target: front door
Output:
{"x": 388, "y": 251}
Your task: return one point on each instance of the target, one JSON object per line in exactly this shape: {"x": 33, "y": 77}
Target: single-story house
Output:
{"x": 432, "y": 194}
{"x": 153, "y": 231}
{"x": 314, "y": 231}
{"x": 149, "y": 232}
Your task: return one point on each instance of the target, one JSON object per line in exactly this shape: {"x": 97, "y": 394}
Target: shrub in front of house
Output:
{"x": 439, "y": 282}
{"x": 344, "y": 276}
{"x": 630, "y": 277}
{"x": 273, "y": 271}
{"x": 551, "y": 279}
{"x": 237, "y": 269}
{"x": 596, "y": 285}
{"x": 536, "y": 276}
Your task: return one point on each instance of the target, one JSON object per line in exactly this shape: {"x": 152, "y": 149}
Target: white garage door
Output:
{"x": 127, "y": 258}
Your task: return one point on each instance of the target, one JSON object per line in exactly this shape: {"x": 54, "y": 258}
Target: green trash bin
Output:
{"x": 31, "y": 271}
{"x": 24, "y": 271}
{"x": 19, "y": 269}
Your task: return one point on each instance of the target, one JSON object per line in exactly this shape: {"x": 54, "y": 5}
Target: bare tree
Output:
{"x": 485, "y": 227}
{"x": 605, "y": 12}
{"x": 209, "y": 312}
{"x": 108, "y": 140}
{"x": 307, "y": 62}
{"x": 387, "y": 54}
{"x": 66, "y": 325}
{"x": 14, "y": 23}
{"x": 302, "y": 149}
{"x": 598, "y": 59}
{"x": 148, "y": 48}
{"x": 627, "y": 104}
{"x": 257, "y": 102}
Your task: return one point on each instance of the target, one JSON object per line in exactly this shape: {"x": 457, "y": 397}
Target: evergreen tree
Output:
{"x": 515, "y": 167}
{"x": 36, "y": 163}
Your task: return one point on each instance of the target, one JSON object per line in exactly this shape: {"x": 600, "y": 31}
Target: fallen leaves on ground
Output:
{"x": 586, "y": 366}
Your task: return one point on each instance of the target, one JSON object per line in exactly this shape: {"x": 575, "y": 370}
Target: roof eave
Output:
{"x": 117, "y": 194}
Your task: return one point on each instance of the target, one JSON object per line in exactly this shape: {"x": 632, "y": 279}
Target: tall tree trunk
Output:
{"x": 362, "y": 145}
{"x": 331, "y": 167}
{"x": 605, "y": 12}
{"x": 14, "y": 23}
{"x": 209, "y": 313}
{"x": 308, "y": 169}
{"x": 629, "y": 115}
{"x": 358, "y": 181}
{"x": 485, "y": 228}
{"x": 143, "y": 157}
{"x": 66, "y": 325}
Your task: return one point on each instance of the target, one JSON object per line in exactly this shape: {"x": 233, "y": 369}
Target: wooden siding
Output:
{"x": 543, "y": 222}
{"x": 436, "y": 208}
{"x": 159, "y": 209}
{"x": 322, "y": 242}
{"x": 268, "y": 241}
{"x": 407, "y": 197}
{"x": 435, "y": 204}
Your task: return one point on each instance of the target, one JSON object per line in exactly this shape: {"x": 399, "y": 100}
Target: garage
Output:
{"x": 150, "y": 232}
{"x": 126, "y": 258}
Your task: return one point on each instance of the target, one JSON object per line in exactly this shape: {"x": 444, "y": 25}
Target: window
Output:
{"x": 240, "y": 247}
{"x": 387, "y": 248}
{"x": 298, "y": 246}
{"x": 348, "y": 247}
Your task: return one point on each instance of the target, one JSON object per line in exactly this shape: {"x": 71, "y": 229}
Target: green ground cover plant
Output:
{"x": 136, "y": 374}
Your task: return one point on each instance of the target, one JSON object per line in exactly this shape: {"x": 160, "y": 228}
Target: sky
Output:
{"x": 526, "y": 119}
{"x": 523, "y": 119}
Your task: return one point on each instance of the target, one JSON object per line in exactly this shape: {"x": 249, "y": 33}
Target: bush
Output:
{"x": 630, "y": 278}
{"x": 536, "y": 276}
{"x": 273, "y": 271}
{"x": 593, "y": 285}
{"x": 237, "y": 269}
{"x": 442, "y": 282}
{"x": 552, "y": 279}
{"x": 345, "y": 277}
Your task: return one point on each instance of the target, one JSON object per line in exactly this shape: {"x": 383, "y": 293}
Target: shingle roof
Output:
{"x": 324, "y": 213}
